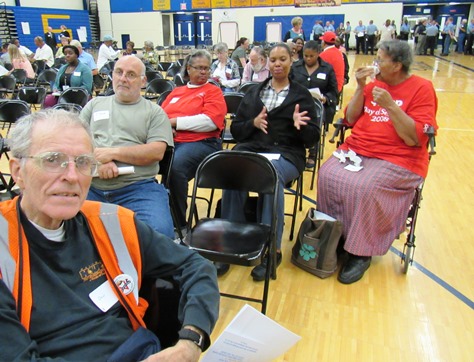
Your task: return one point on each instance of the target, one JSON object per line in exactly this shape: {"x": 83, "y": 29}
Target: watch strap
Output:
{"x": 195, "y": 337}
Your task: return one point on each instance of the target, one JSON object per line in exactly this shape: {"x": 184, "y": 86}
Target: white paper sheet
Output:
{"x": 251, "y": 337}
{"x": 25, "y": 27}
{"x": 271, "y": 156}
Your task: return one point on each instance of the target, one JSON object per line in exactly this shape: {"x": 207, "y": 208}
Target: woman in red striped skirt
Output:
{"x": 369, "y": 182}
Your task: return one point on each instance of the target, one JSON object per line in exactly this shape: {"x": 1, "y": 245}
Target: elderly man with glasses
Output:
{"x": 131, "y": 135}
{"x": 71, "y": 270}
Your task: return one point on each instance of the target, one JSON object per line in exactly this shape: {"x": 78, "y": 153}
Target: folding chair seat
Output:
{"x": 244, "y": 88}
{"x": 75, "y": 95}
{"x": 32, "y": 95}
{"x": 158, "y": 86}
{"x": 233, "y": 242}
{"x": 232, "y": 101}
{"x": 7, "y": 85}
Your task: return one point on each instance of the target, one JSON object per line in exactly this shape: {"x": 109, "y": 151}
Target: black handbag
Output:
{"x": 315, "y": 250}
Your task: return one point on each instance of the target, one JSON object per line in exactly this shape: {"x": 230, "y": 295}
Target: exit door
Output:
{"x": 192, "y": 29}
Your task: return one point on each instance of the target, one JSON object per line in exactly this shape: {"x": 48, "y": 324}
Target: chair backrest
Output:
{"x": 320, "y": 112}
{"x": 70, "y": 107}
{"x": 20, "y": 76}
{"x": 32, "y": 95}
{"x": 162, "y": 97}
{"x": 74, "y": 95}
{"x": 12, "y": 110}
{"x": 158, "y": 86}
{"x": 232, "y": 100}
{"x": 8, "y": 83}
{"x": 40, "y": 65}
{"x": 163, "y": 66}
{"x": 237, "y": 170}
{"x": 213, "y": 82}
{"x": 173, "y": 70}
{"x": 153, "y": 74}
{"x": 58, "y": 62}
{"x": 178, "y": 80}
{"x": 47, "y": 78}
{"x": 244, "y": 88}
{"x": 165, "y": 166}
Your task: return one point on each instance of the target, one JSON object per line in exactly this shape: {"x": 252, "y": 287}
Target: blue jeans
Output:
{"x": 233, "y": 201}
{"x": 187, "y": 157}
{"x": 447, "y": 43}
{"x": 147, "y": 198}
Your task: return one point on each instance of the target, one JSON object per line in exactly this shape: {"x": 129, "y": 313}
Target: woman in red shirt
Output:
{"x": 371, "y": 189}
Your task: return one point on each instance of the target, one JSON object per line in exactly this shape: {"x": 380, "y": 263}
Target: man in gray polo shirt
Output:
{"x": 131, "y": 135}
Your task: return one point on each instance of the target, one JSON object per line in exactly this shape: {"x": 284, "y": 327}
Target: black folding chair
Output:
{"x": 232, "y": 101}
{"x": 158, "y": 86}
{"x": 173, "y": 70}
{"x": 7, "y": 85}
{"x": 46, "y": 79}
{"x": 232, "y": 242}
{"x": 244, "y": 88}
{"x": 32, "y": 95}
{"x": 162, "y": 97}
{"x": 75, "y": 95}
{"x": 11, "y": 110}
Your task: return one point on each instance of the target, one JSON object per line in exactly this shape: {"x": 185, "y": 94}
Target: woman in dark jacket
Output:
{"x": 313, "y": 72}
{"x": 278, "y": 116}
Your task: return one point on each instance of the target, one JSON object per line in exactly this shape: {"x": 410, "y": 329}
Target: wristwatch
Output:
{"x": 192, "y": 336}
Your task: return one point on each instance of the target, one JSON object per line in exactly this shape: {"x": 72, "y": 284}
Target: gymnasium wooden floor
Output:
{"x": 426, "y": 315}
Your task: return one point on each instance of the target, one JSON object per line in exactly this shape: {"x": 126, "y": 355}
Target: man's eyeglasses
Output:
{"x": 57, "y": 162}
{"x": 129, "y": 75}
{"x": 200, "y": 69}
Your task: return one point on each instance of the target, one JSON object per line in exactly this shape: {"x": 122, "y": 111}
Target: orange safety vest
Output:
{"x": 115, "y": 236}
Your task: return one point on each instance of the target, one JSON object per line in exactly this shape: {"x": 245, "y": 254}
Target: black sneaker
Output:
{"x": 258, "y": 273}
{"x": 221, "y": 268}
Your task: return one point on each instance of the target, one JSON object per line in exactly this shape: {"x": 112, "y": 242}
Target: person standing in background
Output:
{"x": 372, "y": 32}
{"x": 386, "y": 31}
{"x": 448, "y": 32}
{"x": 394, "y": 29}
{"x": 347, "y": 34}
{"x": 106, "y": 52}
{"x": 296, "y": 31}
{"x": 404, "y": 30}
{"x": 462, "y": 36}
{"x": 318, "y": 30}
{"x": 50, "y": 39}
{"x": 421, "y": 46}
{"x": 65, "y": 32}
{"x": 470, "y": 37}
{"x": 239, "y": 55}
{"x": 360, "y": 31}
{"x": 431, "y": 37}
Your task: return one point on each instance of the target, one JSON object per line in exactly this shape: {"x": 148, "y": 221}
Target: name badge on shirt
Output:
{"x": 103, "y": 296}
{"x": 174, "y": 100}
{"x": 76, "y": 74}
{"x": 100, "y": 115}
{"x": 255, "y": 76}
{"x": 321, "y": 76}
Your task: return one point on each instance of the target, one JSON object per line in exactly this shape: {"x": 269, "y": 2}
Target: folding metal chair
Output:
{"x": 74, "y": 95}
{"x": 158, "y": 86}
{"x": 232, "y": 242}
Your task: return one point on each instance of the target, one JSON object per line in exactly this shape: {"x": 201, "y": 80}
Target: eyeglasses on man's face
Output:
{"x": 200, "y": 69}
{"x": 129, "y": 75}
{"x": 57, "y": 162}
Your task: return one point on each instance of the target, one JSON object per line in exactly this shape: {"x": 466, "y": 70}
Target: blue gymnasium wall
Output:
{"x": 260, "y": 24}
{"x": 40, "y": 18}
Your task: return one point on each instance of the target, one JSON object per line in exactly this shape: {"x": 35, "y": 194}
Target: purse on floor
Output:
{"x": 315, "y": 250}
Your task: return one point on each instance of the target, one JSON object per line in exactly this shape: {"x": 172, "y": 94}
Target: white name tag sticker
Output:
{"x": 174, "y": 100}
{"x": 321, "y": 76}
{"x": 104, "y": 297}
{"x": 255, "y": 76}
{"x": 100, "y": 115}
{"x": 77, "y": 74}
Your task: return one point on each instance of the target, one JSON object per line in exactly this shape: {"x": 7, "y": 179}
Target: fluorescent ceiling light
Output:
{"x": 422, "y": 4}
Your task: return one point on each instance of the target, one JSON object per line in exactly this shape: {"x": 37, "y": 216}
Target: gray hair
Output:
{"x": 221, "y": 48}
{"x": 189, "y": 60}
{"x": 297, "y": 20}
{"x": 20, "y": 139}
{"x": 259, "y": 51}
{"x": 399, "y": 52}
{"x": 149, "y": 44}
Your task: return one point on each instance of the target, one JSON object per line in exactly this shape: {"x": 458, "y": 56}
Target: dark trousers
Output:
{"x": 404, "y": 36}
{"x": 360, "y": 43}
{"x": 469, "y": 43}
{"x": 370, "y": 44}
{"x": 346, "y": 40}
{"x": 430, "y": 44}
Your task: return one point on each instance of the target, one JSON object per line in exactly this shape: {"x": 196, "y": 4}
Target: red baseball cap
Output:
{"x": 329, "y": 37}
